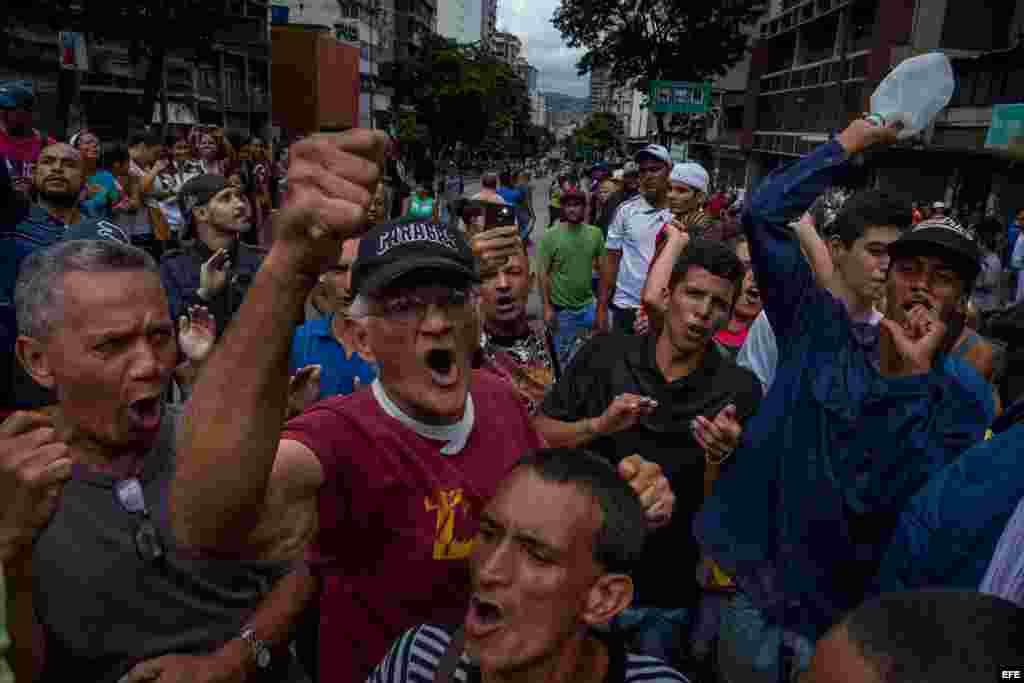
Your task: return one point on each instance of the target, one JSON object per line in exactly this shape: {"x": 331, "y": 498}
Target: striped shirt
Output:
{"x": 1005, "y": 575}
{"x": 416, "y": 655}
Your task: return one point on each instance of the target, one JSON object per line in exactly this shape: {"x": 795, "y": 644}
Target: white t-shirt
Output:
{"x": 760, "y": 352}
{"x": 633, "y": 231}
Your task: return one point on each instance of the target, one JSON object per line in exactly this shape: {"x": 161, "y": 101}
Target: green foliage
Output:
{"x": 644, "y": 40}
{"x": 602, "y": 131}
{"x": 463, "y": 94}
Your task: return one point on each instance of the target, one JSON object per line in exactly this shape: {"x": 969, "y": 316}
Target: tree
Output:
{"x": 152, "y": 28}
{"x": 602, "y": 131}
{"x": 639, "y": 41}
{"x": 464, "y": 97}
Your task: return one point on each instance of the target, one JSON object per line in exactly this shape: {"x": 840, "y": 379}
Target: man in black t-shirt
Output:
{"x": 674, "y": 399}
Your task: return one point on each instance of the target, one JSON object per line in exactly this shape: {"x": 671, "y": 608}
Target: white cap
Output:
{"x": 656, "y": 151}
{"x": 692, "y": 174}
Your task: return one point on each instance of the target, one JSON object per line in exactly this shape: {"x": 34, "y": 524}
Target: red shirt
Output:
{"x": 397, "y": 518}
{"x": 734, "y": 340}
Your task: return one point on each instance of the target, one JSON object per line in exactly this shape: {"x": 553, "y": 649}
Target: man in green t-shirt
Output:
{"x": 568, "y": 254}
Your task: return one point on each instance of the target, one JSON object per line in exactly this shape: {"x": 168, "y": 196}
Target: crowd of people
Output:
{"x": 748, "y": 436}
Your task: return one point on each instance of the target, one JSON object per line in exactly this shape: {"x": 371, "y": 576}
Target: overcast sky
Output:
{"x": 531, "y": 21}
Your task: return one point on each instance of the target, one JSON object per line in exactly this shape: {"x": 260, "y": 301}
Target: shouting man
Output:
{"x": 388, "y": 483}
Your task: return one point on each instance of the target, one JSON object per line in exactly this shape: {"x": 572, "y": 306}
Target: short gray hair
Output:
{"x": 39, "y": 292}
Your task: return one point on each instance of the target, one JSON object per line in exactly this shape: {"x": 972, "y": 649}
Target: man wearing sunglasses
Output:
{"x": 388, "y": 482}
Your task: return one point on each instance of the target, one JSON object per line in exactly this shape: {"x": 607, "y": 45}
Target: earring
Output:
{"x": 322, "y": 278}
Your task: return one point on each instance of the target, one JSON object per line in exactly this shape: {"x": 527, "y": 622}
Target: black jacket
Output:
{"x": 179, "y": 270}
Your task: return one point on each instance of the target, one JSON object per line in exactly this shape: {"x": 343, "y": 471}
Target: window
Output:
{"x": 208, "y": 79}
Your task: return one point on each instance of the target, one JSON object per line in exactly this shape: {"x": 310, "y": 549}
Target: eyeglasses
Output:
{"x": 147, "y": 539}
{"x": 412, "y": 308}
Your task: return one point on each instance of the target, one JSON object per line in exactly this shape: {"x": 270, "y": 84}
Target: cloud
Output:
{"x": 543, "y": 46}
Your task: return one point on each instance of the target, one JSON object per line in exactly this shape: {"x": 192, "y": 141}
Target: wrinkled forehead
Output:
{"x": 59, "y": 152}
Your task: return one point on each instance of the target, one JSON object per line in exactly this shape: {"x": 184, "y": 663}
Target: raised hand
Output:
{"x": 34, "y": 465}
{"x": 624, "y": 412}
{"x": 862, "y": 134}
{"x": 494, "y": 247}
{"x": 213, "y": 275}
{"x": 197, "y": 333}
{"x": 650, "y": 484}
{"x": 718, "y": 437}
{"x": 331, "y": 182}
{"x": 917, "y": 339}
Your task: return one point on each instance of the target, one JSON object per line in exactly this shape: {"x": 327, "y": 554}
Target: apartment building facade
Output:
{"x": 226, "y": 84}
{"x": 816, "y": 63}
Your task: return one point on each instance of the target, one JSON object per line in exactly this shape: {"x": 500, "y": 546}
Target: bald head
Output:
{"x": 59, "y": 174}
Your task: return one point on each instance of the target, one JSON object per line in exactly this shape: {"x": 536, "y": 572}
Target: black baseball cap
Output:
{"x": 198, "y": 192}
{"x": 943, "y": 237}
{"x": 393, "y": 250}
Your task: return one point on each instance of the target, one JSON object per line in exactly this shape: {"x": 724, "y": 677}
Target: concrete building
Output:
{"x": 228, "y": 85}
{"x": 388, "y": 33}
{"x": 366, "y": 24}
{"x": 816, "y": 63}
{"x": 461, "y": 20}
{"x": 538, "y": 109}
{"x": 488, "y": 21}
{"x": 719, "y": 149}
{"x": 506, "y": 46}
{"x": 600, "y": 89}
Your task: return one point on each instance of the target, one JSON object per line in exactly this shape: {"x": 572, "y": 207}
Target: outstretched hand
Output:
{"x": 718, "y": 437}
{"x": 197, "y": 334}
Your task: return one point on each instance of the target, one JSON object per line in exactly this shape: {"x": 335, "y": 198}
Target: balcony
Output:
{"x": 236, "y": 100}
{"x": 260, "y": 102}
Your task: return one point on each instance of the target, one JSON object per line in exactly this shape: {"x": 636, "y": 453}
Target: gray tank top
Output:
{"x": 104, "y": 608}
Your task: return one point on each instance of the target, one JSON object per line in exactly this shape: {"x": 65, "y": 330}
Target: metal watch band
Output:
{"x": 260, "y": 651}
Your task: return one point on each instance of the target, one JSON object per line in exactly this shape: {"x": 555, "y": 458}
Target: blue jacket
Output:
{"x": 36, "y": 230}
{"x": 948, "y": 533}
{"x": 179, "y": 272}
{"x": 836, "y": 450}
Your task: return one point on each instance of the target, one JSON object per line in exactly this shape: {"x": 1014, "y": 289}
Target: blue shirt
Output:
{"x": 512, "y": 195}
{"x": 314, "y": 344}
{"x": 837, "y": 449}
{"x": 948, "y": 533}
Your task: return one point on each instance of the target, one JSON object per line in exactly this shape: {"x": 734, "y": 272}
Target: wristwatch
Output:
{"x": 260, "y": 651}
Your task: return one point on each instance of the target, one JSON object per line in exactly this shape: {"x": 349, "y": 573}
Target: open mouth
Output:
{"x": 145, "y": 413}
{"x": 483, "y": 617}
{"x": 917, "y": 302}
{"x": 505, "y": 304}
{"x": 443, "y": 370}
{"x": 754, "y": 295}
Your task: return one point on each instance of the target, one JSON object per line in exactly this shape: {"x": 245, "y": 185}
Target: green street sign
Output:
{"x": 680, "y": 97}
{"x": 1007, "y": 129}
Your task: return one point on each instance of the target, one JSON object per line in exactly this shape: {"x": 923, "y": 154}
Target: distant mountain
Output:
{"x": 557, "y": 101}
